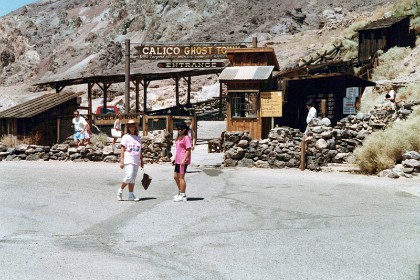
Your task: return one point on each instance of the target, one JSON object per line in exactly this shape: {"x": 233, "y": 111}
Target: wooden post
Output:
{"x": 323, "y": 108}
{"x": 145, "y": 125}
{"x": 177, "y": 95}
{"x": 220, "y": 98}
{"x": 302, "y": 153}
{"x": 127, "y": 76}
{"x": 137, "y": 84}
{"x": 189, "y": 91}
{"x": 58, "y": 131}
{"x": 254, "y": 42}
{"x": 169, "y": 124}
{"x": 90, "y": 86}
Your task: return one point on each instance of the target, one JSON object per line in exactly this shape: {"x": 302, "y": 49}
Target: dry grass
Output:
{"x": 409, "y": 93}
{"x": 99, "y": 138}
{"x": 391, "y": 64}
{"x": 406, "y": 7}
{"x": 369, "y": 100}
{"x": 383, "y": 149}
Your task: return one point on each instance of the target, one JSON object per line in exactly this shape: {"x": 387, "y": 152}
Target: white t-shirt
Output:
{"x": 392, "y": 94}
{"x": 79, "y": 123}
{"x": 311, "y": 114}
{"x": 132, "y": 144}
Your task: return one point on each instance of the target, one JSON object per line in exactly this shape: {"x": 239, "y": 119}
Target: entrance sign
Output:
{"x": 183, "y": 52}
{"x": 193, "y": 64}
{"x": 108, "y": 119}
{"x": 271, "y": 104}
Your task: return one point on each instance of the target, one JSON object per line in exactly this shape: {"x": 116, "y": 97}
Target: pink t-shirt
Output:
{"x": 181, "y": 148}
{"x": 132, "y": 144}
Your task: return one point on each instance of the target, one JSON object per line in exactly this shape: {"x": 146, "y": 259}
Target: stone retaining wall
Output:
{"x": 156, "y": 148}
{"x": 324, "y": 144}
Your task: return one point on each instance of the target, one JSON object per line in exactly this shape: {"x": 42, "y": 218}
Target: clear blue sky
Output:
{"x": 6, "y": 6}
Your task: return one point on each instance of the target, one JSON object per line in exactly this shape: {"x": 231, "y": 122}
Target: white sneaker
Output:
{"x": 132, "y": 197}
{"x": 180, "y": 198}
{"x": 176, "y": 196}
{"x": 119, "y": 196}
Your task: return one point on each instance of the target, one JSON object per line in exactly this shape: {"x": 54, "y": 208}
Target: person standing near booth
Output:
{"x": 312, "y": 114}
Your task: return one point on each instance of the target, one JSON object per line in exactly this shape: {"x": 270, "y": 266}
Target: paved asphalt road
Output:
{"x": 61, "y": 220}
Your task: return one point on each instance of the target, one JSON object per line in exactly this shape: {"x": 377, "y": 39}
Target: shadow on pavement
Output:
{"x": 195, "y": 198}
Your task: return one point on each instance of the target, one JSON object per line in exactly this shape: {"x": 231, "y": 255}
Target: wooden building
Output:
{"x": 251, "y": 78}
{"x": 37, "y": 119}
{"x": 332, "y": 87}
{"x": 384, "y": 34}
{"x": 340, "y": 92}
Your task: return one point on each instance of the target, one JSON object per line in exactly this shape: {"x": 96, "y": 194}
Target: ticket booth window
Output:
{"x": 244, "y": 104}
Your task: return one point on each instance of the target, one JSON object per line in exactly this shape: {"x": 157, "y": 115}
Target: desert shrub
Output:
{"x": 409, "y": 93}
{"x": 350, "y": 49}
{"x": 383, "y": 149}
{"x": 415, "y": 23}
{"x": 99, "y": 138}
{"x": 391, "y": 64}
{"x": 370, "y": 99}
{"x": 407, "y": 7}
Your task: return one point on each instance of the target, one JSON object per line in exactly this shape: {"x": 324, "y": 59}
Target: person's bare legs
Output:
{"x": 177, "y": 181}
{"x": 182, "y": 183}
{"x": 131, "y": 187}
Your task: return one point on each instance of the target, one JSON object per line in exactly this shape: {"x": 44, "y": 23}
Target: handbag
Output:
{"x": 147, "y": 179}
{"x": 115, "y": 133}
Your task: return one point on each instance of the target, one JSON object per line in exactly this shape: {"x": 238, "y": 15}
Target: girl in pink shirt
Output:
{"x": 182, "y": 160}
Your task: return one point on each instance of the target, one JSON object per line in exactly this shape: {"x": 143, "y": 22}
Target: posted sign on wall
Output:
{"x": 271, "y": 104}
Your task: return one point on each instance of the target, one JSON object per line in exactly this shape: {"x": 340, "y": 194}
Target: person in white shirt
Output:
{"x": 131, "y": 159}
{"x": 79, "y": 126}
{"x": 391, "y": 95}
{"x": 312, "y": 114}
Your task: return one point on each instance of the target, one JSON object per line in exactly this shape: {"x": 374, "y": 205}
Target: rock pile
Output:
{"x": 410, "y": 166}
{"x": 281, "y": 149}
{"x": 155, "y": 147}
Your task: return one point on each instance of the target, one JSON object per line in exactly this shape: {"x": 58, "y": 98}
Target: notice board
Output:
{"x": 271, "y": 104}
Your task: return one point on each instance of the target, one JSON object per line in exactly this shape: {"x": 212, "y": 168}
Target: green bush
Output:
{"x": 391, "y": 64}
{"x": 383, "y": 149}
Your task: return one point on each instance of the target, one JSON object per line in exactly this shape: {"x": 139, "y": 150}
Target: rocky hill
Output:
{"x": 57, "y": 39}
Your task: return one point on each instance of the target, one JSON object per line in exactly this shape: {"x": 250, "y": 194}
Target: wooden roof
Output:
{"x": 143, "y": 73}
{"x": 269, "y": 52}
{"x": 37, "y": 105}
{"x": 383, "y": 23}
{"x": 361, "y": 81}
{"x": 246, "y": 73}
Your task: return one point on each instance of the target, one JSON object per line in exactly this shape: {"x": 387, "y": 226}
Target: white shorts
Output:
{"x": 130, "y": 173}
